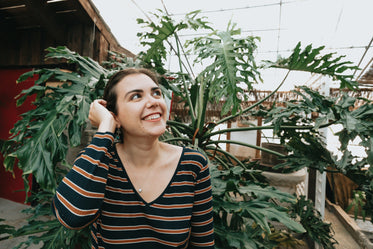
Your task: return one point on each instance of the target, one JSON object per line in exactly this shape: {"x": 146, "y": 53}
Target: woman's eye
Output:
{"x": 135, "y": 96}
{"x": 157, "y": 93}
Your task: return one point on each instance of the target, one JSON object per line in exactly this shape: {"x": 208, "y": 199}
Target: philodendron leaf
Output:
{"x": 314, "y": 61}
{"x": 263, "y": 212}
{"x": 265, "y": 193}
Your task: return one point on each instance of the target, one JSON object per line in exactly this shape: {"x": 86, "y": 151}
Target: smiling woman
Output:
{"x": 139, "y": 192}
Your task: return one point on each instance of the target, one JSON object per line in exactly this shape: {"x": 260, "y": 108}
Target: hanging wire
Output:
{"x": 365, "y": 52}
{"x": 242, "y": 8}
{"x": 279, "y": 28}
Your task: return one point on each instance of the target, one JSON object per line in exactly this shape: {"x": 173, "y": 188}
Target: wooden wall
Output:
{"x": 26, "y": 47}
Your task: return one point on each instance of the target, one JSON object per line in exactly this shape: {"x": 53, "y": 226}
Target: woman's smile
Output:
{"x": 153, "y": 117}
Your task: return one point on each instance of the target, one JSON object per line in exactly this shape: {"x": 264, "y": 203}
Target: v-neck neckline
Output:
{"x": 133, "y": 187}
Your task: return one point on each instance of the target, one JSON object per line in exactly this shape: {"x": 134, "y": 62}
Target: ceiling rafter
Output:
{"x": 47, "y": 17}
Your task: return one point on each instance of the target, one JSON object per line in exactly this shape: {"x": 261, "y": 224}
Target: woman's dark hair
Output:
{"x": 110, "y": 95}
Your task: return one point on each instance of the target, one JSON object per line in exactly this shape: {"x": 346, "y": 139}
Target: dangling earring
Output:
{"x": 118, "y": 135}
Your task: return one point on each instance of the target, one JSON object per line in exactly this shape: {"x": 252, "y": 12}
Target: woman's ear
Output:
{"x": 116, "y": 120}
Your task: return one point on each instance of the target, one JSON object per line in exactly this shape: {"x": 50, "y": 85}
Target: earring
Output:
{"x": 118, "y": 134}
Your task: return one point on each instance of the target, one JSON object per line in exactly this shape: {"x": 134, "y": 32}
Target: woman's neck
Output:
{"x": 141, "y": 152}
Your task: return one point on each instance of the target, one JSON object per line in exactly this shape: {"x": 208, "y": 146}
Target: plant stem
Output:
{"x": 175, "y": 123}
{"x": 256, "y": 104}
{"x": 247, "y": 145}
{"x": 186, "y": 87}
{"x": 308, "y": 127}
{"x": 229, "y": 155}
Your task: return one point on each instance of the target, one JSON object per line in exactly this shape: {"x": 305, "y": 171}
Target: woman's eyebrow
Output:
{"x": 133, "y": 91}
{"x": 141, "y": 91}
{"x": 155, "y": 88}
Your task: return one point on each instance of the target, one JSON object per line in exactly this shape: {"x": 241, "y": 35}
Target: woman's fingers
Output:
{"x": 98, "y": 112}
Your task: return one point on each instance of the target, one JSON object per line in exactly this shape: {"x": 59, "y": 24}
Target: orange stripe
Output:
{"x": 141, "y": 240}
{"x": 179, "y": 195}
{"x": 203, "y": 234}
{"x": 211, "y": 243}
{"x": 172, "y": 206}
{"x": 108, "y": 136}
{"x": 94, "y": 236}
{"x": 125, "y": 203}
{"x": 187, "y": 183}
{"x": 141, "y": 215}
{"x": 203, "y": 212}
{"x": 203, "y": 201}
{"x": 95, "y": 162}
{"x": 131, "y": 228}
{"x": 203, "y": 190}
{"x": 185, "y": 172}
{"x": 73, "y": 209}
{"x": 65, "y": 224}
{"x": 196, "y": 154}
{"x": 202, "y": 223}
{"x": 119, "y": 190}
{"x": 117, "y": 178}
{"x": 115, "y": 167}
{"x": 206, "y": 178}
{"x": 89, "y": 176}
{"x": 81, "y": 191}
{"x": 193, "y": 162}
{"x": 99, "y": 149}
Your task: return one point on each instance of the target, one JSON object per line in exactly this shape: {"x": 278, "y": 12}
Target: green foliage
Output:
{"x": 246, "y": 209}
{"x": 50, "y": 232}
{"x": 312, "y": 60}
{"x": 42, "y": 137}
{"x": 6, "y": 231}
{"x": 318, "y": 231}
{"x": 232, "y": 62}
{"x": 306, "y": 143}
{"x": 357, "y": 204}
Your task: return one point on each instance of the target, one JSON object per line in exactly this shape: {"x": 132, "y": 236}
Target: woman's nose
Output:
{"x": 152, "y": 102}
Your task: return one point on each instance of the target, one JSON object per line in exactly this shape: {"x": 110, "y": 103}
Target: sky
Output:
{"x": 342, "y": 26}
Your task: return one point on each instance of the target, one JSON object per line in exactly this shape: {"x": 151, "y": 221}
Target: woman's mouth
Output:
{"x": 151, "y": 117}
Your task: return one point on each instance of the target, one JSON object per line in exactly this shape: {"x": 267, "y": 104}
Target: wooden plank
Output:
{"x": 103, "y": 51}
{"x": 46, "y": 17}
{"x": 11, "y": 3}
{"x": 9, "y": 48}
{"x": 103, "y": 28}
{"x": 87, "y": 42}
{"x": 34, "y": 42}
{"x": 74, "y": 38}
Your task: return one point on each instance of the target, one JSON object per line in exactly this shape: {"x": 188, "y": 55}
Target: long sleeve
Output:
{"x": 80, "y": 194}
{"x": 202, "y": 233}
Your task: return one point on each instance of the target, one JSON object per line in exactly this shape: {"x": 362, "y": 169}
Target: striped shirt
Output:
{"x": 98, "y": 192}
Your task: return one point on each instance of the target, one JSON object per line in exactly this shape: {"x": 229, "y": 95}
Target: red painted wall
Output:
{"x": 11, "y": 183}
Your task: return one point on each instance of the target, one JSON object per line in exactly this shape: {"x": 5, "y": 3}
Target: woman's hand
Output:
{"x": 101, "y": 117}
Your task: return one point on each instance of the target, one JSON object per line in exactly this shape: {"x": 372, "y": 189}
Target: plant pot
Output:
{"x": 292, "y": 183}
{"x": 271, "y": 159}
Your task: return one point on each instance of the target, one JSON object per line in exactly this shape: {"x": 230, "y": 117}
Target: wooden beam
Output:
{"x": 47, "y": 19}
{"x": 103, "y": 28}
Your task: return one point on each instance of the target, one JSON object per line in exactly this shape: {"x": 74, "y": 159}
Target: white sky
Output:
{"x": 344, "y": 26}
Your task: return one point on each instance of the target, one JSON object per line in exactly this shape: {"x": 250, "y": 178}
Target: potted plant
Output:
{"x": 245, "y": 207}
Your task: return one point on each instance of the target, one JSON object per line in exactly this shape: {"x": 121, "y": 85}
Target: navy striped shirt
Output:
{"x": 98, "y": 192}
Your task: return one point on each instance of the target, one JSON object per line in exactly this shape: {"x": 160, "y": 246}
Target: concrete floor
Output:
{"x": 342, "y": 236}
{"x": 11, "y": 211}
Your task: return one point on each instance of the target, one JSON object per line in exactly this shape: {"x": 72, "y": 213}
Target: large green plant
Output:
{"x": 245, "y": 207}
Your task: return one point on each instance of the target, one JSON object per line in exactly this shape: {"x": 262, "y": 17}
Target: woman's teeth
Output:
{"x": 151, "y": 117}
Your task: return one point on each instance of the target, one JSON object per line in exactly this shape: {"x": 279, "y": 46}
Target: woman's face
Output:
{"x": 141, "y": 108}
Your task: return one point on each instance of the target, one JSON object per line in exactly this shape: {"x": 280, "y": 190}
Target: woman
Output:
{"x": 139, "y": 192}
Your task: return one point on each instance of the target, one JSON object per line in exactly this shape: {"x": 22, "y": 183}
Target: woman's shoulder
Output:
{"x": 191, "y": 154}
